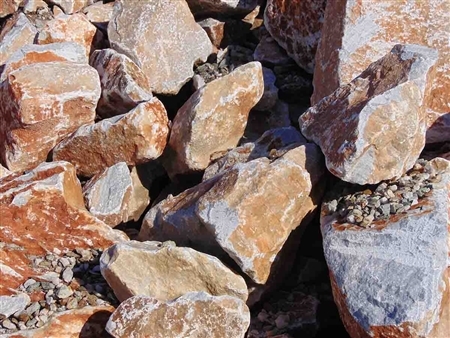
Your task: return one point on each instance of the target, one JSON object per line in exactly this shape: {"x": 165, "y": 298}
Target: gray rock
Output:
{"x": 12, "y": 304}
{"x": 64, "y": 292}
{"x": 67, "y": 275}
{"x": 270, "y": 96}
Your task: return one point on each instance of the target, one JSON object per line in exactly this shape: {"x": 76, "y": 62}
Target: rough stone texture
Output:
{"x": 12, "y": 304}
{"x": 195, "y": 314}
{"x": 296, "y": 26}
{"x": 42, "y": 211}
{"x": 140, "y": 198}
{"x": 215, "y": 30}
{"x": 30, "y": 54}
{"x": 86, "y": 322}
{"x": 32, "y": 6}
{"x": 373, "y": 128}
{"x": 167, "y": 272}
{"x": 162, "y": 38}
{"x": 341, "y": 56}
{"x": 268, "y": 51}
{"x": 8, "y": 7}
{"x": 41, "y": 104}
{"x": 4, "y": 172}
{"x": 390, "y": 281}
{"x": 70, "y": 6}
{"x": 124, "y": 85}
{"x": 224, "y": 214}
{"x": 140, "y": 136}
{"x": 99, "y": 14}
{"x": 202, "y": 8}
{"x": 270, "y": 95}
{"x": 213, "y": 119}
{"x": 17, "y": 32}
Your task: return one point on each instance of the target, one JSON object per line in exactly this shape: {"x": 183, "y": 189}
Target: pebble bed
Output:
{"x": 70, "y": 281}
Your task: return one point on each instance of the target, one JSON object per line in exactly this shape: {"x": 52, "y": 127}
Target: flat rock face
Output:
{"x": 296, "y": 26}
{"x": 41, "y": 210}
{"x": 389, "y": 281}
{"x": 99, "y": 14}
{"x": 195, "y": 314}
{"x": 203, "y": 8}
{"x": 141, "y": 136}
{"x": 213, "y": 119}
{"x": 145, "y": 31}
{"x": 270, "y": 95}
{"x": 124, "y": 85}
{"x": 373, "y": 128}
{"x": 17, "y": 32}
{"x": 167, "y": 272}
{"x": 42, "y": 103}
{"x": 341, "y": 56}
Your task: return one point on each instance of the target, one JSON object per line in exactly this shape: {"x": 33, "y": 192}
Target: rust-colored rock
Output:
{"x": 373, "y": 128}
{"x": 357, "y": 33}
{"x": 136, "y": 137}
{"x": 42, "y": 211}
{"x": 41, "y": 104}
{"x": 296, "y": 26}
{"x": 8, "y": 7}
{"x": 215, "y": 30}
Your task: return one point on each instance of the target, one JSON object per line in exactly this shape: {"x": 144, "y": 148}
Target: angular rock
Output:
{"x": 392, "y": 280}
{"x": 195, "y": 314}
{"x": 8, "y": 7}
{"x": 215, "y": 30}
{"x": 140, "y": 136}
{"x": 124, "y": 85}
{"x": 167, "y": 272}
{"x": 270, "y": 95}
{"x": 12, "y": 304}
{"x": 162, "y": 38}
{"x": 70, "y": 6}
{"x": 202, "y": 8}
{"x": 373, "y": 128}
{"x": 17, "y": 32}
{"x": 140, "y": 198}
{"x": 33, "y": 6}
{"x": 268, "y": 51}
{"x": 99, "y": 14}
{"x": 296, "y": 26}
{"x": 41, "y": 104}
{"x": 4, "y": 172}
{"x": 213, "y": 119}
{"x": 341, "y": 57}
{"x": 43, "y": 211}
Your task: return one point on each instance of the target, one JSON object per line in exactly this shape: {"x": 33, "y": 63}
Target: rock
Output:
{"x": 41, "y": 104}
{"x": 64, "y": 292}
{"x": 70, "y": 6}
{"x": 203, "y": 8}
{"x": 8, "y": 7}
{"x": 389, "y": 280}
{"x": 223, "y": 214}
{"x": 43, "y": 210}
{"x": 373, "y": 128}
{"x": 268, "y": 51}
{"x": 17, "y": 32}
{"x": 167, "y": 272}
{"x": 341, "y": 57}
{"x": 75, "y": 28}
{"x": 296, "y": 26}
{"x": 34, "y": 6}
{"x": 146, "y": 31}
{"x": 124, "y": 85}
{"x": 4, "y": 172}
{"x": 270, "y": 95}
{"x": 99, "y": 14}
{"x": 140, "y": 199}
{"x": 141, "y": 136}
{"x": 213, "y": 119}
{"x": 215, "y": 30}
{"x": 12, "y": 304}
{"x": 195, "y": 314}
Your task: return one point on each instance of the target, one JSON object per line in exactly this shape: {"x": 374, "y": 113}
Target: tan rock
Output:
{"x": 42, "y": 211}
{"x": 4, "y": 172}
{"x": 215, "y": 30}
{"x": 140, "y": 198}
{"x": 204, "y": 8}
{"x": 167, "y": 272}
{"x": 32, "y": 6}
{"x": 17, "y": 32}
{"x": 213, "y": 119}
{"x": 99, "y": 14}
{"x": 195, "y": 314}
{"x": 8, "y": 7}
{"x": 296, "y": 26}
{"x": 124, "y": 85}
{"x": 162, "y": 38}
{"x": 41, "y": 104}
{"x": 341, "y": 57}
{"x": 70, "y": 6}
{"x": 136, "y": 137}
{"x": 373, "y": 128}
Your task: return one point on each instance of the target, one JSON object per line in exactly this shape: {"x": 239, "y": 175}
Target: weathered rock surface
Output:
{"x": 373, "y": 128}
{"x": 270, "y": 95}
{"x": 4, "y": 172}
{"x": 341, "y": 56}
{"x": 167, "y": 272}
{"x": 17, "y": 32}
{"x": 296, "y": 26}
{"x": 99, "y": 14}
{"x": 390, "y": 280}
{"x": 162, "y": 38}
{"x": 70, "y": 6}
{"x": 42, "y": 211}
{"x": 140, "y": 136}
{"x": 124, "y": 85}
{"x": 268, "y": 51}
{"x": 8, "y": 7}
{"x": 202, "y": 8}
{"x": 215, "y": 30}
{"x": 12, "y": 304}
{"x": 195, "y": 314}
{"x": 213, "y": 119}
{"x": 41, "y": 104}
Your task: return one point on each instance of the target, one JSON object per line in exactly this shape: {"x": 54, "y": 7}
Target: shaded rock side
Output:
{"x": 202, "y": 8}
{"x": 70, "y": 6}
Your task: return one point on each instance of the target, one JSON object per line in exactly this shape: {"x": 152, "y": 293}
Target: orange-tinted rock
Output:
{"x": 215, "y": 30}
{"x": 99, "y": 14}
{"x": 41, "y": 104}
{"x": 162, "y": 38}
{"x": 213, "y": 119}
{"x": 296, "y": 26}
{"x": 204, "y": 8}
{"x": 124, "y": 85}
{"x": 134, "y": 138}
{"x": 9, "y": 7}
{"x": 44, "y": 210}
{"x": 17, "y": 32}
{"x": 70, "y": 6}
{"x": 355, "y": 34}
{"x": 373, "y": 128}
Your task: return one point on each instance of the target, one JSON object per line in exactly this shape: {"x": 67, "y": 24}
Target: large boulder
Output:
{"x": 373, "y": 128}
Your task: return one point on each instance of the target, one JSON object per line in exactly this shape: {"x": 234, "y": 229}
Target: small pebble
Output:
{"x": 63, "y": 292}
{"x": 67, "y": 275}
